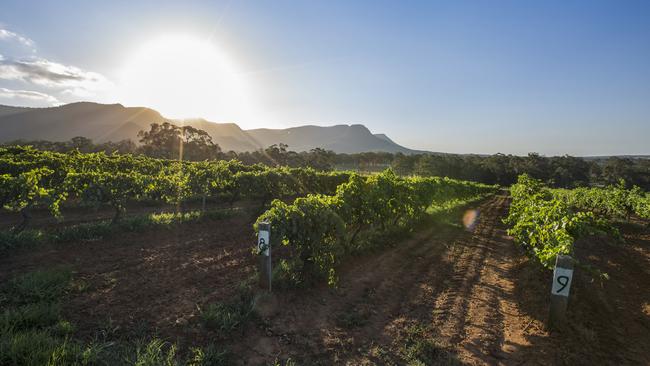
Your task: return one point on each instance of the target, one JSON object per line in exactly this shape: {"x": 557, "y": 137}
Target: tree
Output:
{"x": 616, "y": 168}
{"x": 169, "y": 141}
{"x": 537, "y": 166}
{"x": 403, "y": 164}
{"x": 320, "y": 159}
{"x": 277, "y": 154}
{"x": 568, "y": 171}
{"x": 82, "y": 144}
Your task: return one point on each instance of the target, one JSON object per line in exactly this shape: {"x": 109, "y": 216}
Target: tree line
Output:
{"x": 169, "y": 141}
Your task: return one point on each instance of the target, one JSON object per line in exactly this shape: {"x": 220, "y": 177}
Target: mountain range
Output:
{"x": 114, "y": 122}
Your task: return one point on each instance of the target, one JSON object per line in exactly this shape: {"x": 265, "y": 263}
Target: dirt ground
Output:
{"x": 464, "y": 297}
{"x": 148, "y": 282}
{"x": 474, "y": 294}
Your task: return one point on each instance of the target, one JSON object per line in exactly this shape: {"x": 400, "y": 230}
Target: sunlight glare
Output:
{"x": 184, "y": 77}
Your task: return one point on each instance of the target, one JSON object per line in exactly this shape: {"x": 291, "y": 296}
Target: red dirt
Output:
{"x": 149, "y": 281}
{"x": 474, "y": 294}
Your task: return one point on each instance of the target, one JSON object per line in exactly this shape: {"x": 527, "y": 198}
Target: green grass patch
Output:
{"x": 30, "y": 322}
{"x": 454, "y": 204}
{"x": 43, "y": 347}
{"x": 156, "y": 353}
{"x": 209, "y": 356}
{"x": 43, "y": 285}
{"x": 32, "y": 331}
{"x": 227, "y": 317}
{"x": 28, "y": 238}
{"x": 102, "y": 229}
{"x": 36, "y": 315}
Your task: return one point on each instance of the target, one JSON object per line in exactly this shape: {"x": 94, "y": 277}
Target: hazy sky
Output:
{"x": 553, "y": 77}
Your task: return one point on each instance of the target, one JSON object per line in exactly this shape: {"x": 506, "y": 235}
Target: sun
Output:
{"x": 185, "y": 77}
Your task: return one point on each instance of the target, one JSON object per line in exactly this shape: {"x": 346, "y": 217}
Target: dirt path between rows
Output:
{"x": 450, "y": 296}
{"x": 445, "y": 285}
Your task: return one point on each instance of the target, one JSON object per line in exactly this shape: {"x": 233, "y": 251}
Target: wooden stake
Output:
{"x": 264, "y": 246}
{"x": 562, "y": 276}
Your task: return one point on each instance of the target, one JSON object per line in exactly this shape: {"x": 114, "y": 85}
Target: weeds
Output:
{"x": 44, "y": 285}
{"x": 33, "y": 333}
{"x": 36, "y": 315}
{"x": 418, "y": 348}
{"x": 209, "y": 356}
{"x": 353, "y": 317}
{"x": 63, "y": 328}
{"x": 30, "y": 320}
{"x": 102, "y": 229}
{"x": 24, "y": 239}
{"x": 156, "y": 353}
{"x": 28, "y": 347}
{"x": 287, "y": 362}
{"x": 226, "y": 317}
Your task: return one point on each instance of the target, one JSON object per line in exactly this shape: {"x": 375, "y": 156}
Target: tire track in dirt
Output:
{"x": 453, "y": 281}
{"x": 393, "y": 282}
{"x": 477, "y": 314}
{"x": 309, "y": 323}
{"x": 472, "y": 298}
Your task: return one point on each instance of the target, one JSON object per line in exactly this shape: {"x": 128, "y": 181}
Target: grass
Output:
{"x": 30, "y": 322}
{"x": 36, "y": 315}
{"x": 155, "y": 353}
{"x": 353, "y": 317}
{"x": 451, "y": 206}
{"x": 209, "y": 356}
{"x": 227, "y": 317}
{"x": 287, "y": 362}
{"x": 28, "y": 347}
{"x": 418, "y": 348}
{"x": 32, "y": 331}
{"x": 103, "y": 229}
{"x": 28, "y": 238}
{"x": 43, "y": 285}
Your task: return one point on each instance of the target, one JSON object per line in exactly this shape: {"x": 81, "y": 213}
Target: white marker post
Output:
{"x": 264, "y": 248}
{"x": 562, "y": 276}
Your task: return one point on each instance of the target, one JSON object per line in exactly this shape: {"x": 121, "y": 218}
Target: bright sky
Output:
{"x": 555, "y": 77}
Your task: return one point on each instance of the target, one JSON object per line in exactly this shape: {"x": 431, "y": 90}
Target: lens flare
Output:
{"x": 470, "y": 219}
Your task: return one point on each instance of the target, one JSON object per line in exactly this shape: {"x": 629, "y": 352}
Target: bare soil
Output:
{"x": 472, "y": 295}
{"x": 154, "y": 281}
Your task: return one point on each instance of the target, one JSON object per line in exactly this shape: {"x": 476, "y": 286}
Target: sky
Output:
{"x": 553, "y": 77}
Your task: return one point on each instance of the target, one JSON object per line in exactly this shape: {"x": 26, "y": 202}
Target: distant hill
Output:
{"x": 604, "y": 157}
{"x": 100, "y": 122}
{"x": 114, "y": 122}
{"x": 339, "y": 138}
{"x": 6, "y": 110}
{"x": 228, "y": 135}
